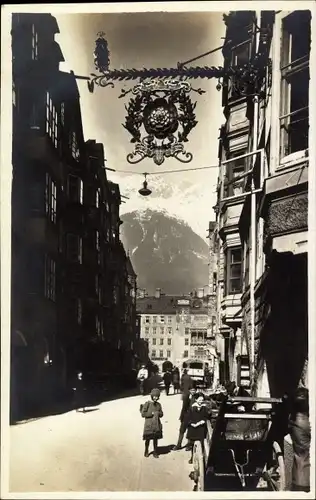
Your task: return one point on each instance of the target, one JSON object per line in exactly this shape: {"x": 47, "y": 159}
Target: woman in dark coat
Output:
{"x": 152, "y": 412}
{"x": 197, "y": 426}
{"x": 176, "y": 380}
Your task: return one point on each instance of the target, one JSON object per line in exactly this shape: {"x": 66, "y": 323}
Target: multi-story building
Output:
{"x": 73, "y": 287}
{"x": 176, "y": 328}
{"x": 263, "y": 199}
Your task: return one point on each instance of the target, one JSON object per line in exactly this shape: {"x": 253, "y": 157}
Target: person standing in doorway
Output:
{"x": 152, "y": 412}
{"x": 167, "y": 378}
{"x": 187, "y": 402}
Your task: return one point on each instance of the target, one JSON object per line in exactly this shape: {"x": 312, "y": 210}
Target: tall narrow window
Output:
{"x": 240, "y": 56}
{"x": 233, "y": 271}
{"x": 295, "y": 50}
{"x": 74, "y": 146}
{"x": 74, "y": 248}
{"x": 50, "y": 278}
{"x": 75, "y": 189}
{"x": 13, "y": 93}
{"x": 79, "y": 315}
{"x": 97, "y": 198}
{"x": 34, "y": 43}
{"x": 97, "y": 241}
{"x": 50, "y": 198}
{"x": 62, "y": 113}
{"x": 233, "y": 184}
{"x": 51, "y": 120}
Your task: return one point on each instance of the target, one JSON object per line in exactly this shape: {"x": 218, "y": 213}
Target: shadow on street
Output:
{"x": 90, "y": 399}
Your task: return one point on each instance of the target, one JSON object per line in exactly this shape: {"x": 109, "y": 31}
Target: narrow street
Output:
{"x": 101, "y": 450}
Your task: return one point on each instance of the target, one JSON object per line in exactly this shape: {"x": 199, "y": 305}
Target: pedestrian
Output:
{"x": 167, "y": 378}
{"x": 188, "y": 400}
{"x": 207, "y": 377}
{"x": 142, "y": 377}
{"x": 176, "y": 380}
{"x": 300, "y": 432}
{"x": 197, "y": 426}
{"x": 152, "y": 412}
{"x": 186, "y": 383}
{"x": 78, "y": 389}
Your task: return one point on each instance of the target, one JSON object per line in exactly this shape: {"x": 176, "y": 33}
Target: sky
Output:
{"x": 150, "y": 39}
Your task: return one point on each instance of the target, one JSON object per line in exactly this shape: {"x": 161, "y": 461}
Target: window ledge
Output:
{"x": 293, "y": 159}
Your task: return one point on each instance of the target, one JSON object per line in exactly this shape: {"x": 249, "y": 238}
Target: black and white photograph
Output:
{"x": 158, "y": 232}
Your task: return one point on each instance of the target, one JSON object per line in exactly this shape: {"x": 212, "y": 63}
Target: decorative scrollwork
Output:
{"x": 147, "y": 148}
{"x": 161, "y": 108}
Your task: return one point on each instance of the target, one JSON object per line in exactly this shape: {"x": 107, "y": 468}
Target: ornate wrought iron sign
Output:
{"x": 163, "y": 108}
{"x": 160, "y": 115}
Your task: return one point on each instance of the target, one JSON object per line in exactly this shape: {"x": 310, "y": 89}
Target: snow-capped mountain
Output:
{"x": 166, "y": 253}
{"x": 188, "y": 196}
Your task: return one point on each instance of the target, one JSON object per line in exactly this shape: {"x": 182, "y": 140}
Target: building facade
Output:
{"x": 176, "y": 328}
{"x": 73, "y": 286}
{"x": 263, "y": 200}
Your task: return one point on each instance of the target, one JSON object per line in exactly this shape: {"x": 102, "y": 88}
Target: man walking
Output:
{"x": 188, "y": 400}
{"x": 142, "y": 376}
{"x": 186, "y": 383}
{"x": 167, "y": 378}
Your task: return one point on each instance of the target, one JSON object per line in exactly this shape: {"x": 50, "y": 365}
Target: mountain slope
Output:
{"x": 166, "y": 253}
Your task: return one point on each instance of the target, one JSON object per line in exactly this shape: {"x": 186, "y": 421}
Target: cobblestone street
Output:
{"x": 101, "y": 450}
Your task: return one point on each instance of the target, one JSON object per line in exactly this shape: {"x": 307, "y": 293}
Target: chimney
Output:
{"x": 200, "y": 293}
{"x": 157, "y": 293}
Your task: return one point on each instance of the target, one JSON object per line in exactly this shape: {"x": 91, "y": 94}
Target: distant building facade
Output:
{"x": 176, "y": 328}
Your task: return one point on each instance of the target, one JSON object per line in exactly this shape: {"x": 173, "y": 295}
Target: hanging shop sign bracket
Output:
{"x": 160, "y": 113}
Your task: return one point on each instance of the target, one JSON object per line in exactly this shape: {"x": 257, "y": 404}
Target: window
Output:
{"x": 154, "y": 330}
{"x": 168, "y": 354}
{"x": 34, "y": 43}
{"x": 162, "y": 330}
{"x": 97, "y": 326}
{"x": 187, "y": 331}
{"x": 169, "y": 330}
{"x": 154, "y": 341}
{"x": 147, "y": 319}
{"x": 186, "y": 354}
{"x": 74, "y": 248}
{"x": 62, "y": 113}
{"x": 186, "y": 341}
{"x": 214, "y": 282}
{"x": 295, "y": 50}
{"x": 50, "y": 199}
{"x": 233, "y": 270}
{"x": 154, "y": 319}
{"x": 147, "y": 330}
{"x": 240, "y": 56}
{"x": 13, "y": 94}
{"x": 51, "y": 120}
{"x": 79, "y": 315}
{"x": 233, "y": 185}
{"x": 162, "y": 319}
{"x": 50, "y": 278}
{"x": 169, "y": 319}
{"x": 188, "y": 319}
{"x": 74, "y": 146}
{"x": 97, "y": 198}
{"x": 75, "y": 189}
{"x": 153, "y": 353}
{"x": 161, "y": 341}
{"x": 169, "y": 341}
{"x": 160, "y": 354}
{"x": 97, "y": 241}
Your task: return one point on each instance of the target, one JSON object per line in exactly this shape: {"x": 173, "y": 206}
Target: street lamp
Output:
{"x": 144, "y": 191}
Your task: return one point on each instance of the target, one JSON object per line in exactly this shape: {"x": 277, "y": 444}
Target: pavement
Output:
{"x": 101, "y": 450}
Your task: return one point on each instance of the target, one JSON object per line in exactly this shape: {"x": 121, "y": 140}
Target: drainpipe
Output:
{"x": 253, "y": 224}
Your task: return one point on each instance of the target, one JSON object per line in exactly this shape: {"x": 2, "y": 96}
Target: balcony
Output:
{"x": 231, "y": 309}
